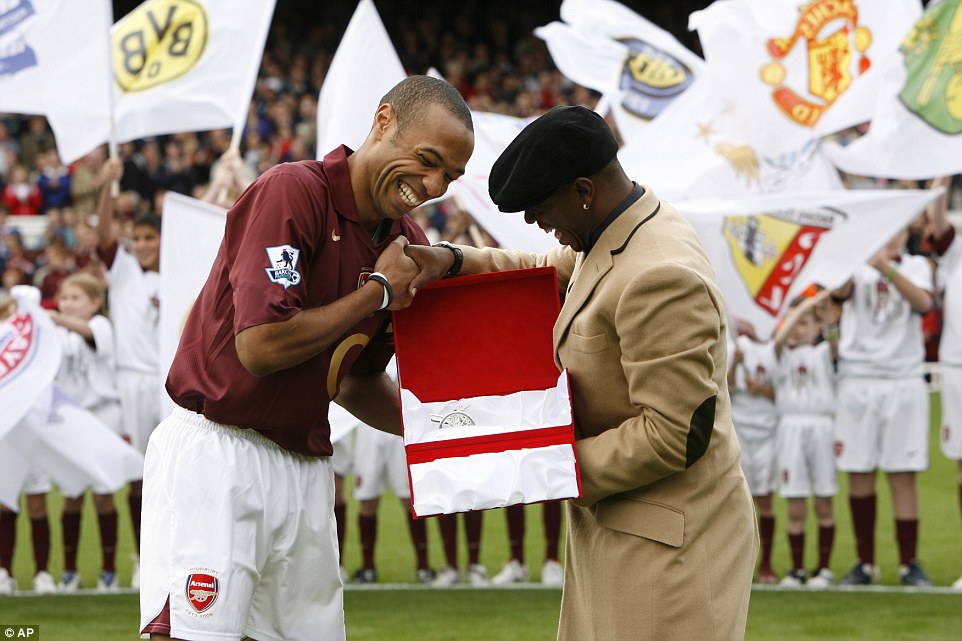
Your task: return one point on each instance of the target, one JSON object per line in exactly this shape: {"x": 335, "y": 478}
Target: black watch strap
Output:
{"x": 458, "y": 256}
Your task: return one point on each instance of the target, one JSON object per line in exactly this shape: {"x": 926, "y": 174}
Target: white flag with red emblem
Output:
{"x": 787, "y": 62}
{"x": 55, "y": 62}
{"x": 638, "y": 67}
{"x": 766, "y": 250}
{"x": 916, "y": 129}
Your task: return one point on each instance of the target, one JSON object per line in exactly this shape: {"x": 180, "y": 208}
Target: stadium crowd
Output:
{"x": 496, "y": 63}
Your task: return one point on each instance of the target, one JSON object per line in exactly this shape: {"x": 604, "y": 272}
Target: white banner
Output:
{"x": 55, "y": 61}
{"x": 787, "y": 62}
{"x": 767, "y": 250}
{"x": 702, "y": 147}
{"x": 184, "y": 267}
{"x": 916, "y": 130}
{"x": 75, "y": 449}
{"x": 186, "y": 65}
{"x": 30, "y": 354}
{"x": 365, "y": 66}
{"x": 639, "y": 68}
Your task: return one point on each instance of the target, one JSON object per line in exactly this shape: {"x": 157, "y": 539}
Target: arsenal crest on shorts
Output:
{"x": 201, "y": 591}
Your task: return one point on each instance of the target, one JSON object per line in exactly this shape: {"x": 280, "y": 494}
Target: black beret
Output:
{"x": 563, "y": 144}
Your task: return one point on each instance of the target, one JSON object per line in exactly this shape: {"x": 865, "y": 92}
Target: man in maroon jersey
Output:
{"x": 238, "y": 536}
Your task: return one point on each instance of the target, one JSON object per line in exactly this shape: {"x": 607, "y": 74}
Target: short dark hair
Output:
{"x": 409, "y": 98}
{"x": 148, "y": 219}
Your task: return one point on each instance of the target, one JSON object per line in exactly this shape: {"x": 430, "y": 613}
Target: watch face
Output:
{"x": 456, "y": 418}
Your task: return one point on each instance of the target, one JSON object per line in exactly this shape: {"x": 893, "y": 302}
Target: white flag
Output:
{"x": 54, "y": 61}
{"x": 186, "y": 65}
{"x": 638, "y": 67}
{"x": 75, "y": 449}
{"x": 30, "y": 354}
{"x": 704, "y": 146}
{"x": 364, "y": 68}
{"x": 789, "y": 61}
{"x": 916, "y": 131}
{"x": 767, "y": 250}
{"x": 184, "y": 267}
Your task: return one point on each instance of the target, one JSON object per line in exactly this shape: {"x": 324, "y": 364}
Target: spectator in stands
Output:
{"x": 54, "y": 181}
{"x": 21, "y": 196}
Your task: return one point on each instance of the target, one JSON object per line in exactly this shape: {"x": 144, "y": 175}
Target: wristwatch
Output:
{"x": 455, "y": 418}
{"x": 458, "y": 257}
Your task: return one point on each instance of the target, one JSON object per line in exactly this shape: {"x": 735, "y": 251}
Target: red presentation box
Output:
{"x": 486, "y": 412}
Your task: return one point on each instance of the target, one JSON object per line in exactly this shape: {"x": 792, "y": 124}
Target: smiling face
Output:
{"x": 418, "y": 163}
{"x": 146, "y": 247}
{"x": 563, "y": 214}
{"x": 73, "y": 301}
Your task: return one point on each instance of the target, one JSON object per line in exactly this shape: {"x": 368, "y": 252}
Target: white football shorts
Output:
{"x": 140, "y": 403}
{"x": 238, "y": 537}
{"x": 951, "y": 428}
{"x": 882, "y": 423}
{"x": 379, "y": 459}
{"x": 806, "y": 456}
{"x": 760, "y": 463}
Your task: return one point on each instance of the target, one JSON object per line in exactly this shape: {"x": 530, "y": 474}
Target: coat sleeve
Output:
{"x": 482, "y": 261}
{"x": 668, "y": 325}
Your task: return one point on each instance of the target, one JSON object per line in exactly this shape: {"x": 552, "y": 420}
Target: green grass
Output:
{"x": 531, "y": 615}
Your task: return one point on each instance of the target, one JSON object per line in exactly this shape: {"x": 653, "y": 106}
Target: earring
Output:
{"x": 585, "y": 206}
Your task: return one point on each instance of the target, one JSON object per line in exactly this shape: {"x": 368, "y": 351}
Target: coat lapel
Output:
{"x": 590, "y": 269}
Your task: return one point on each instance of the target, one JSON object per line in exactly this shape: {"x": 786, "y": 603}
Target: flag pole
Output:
{"x": 112, "y": 147}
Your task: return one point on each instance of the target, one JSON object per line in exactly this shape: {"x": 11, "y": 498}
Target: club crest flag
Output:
{"x": 788, "y": 62}
{"x": 364, "y": 68}
{"x": 184, "y": 267}
{"x": 186, "y": 65}
{"x": 30, "y": 354}
{"x": 639, "y": 68}
{"x": 54, "y": 61}
{"x": 704, "y": 146}
{"x": 768, "y": 249}
{"x": 916, "y": 130}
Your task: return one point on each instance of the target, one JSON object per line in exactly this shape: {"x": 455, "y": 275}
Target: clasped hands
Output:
{"x": 410, "y": 267}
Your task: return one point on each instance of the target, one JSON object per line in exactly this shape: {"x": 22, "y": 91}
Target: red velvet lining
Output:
{"x": 480, "y": 335}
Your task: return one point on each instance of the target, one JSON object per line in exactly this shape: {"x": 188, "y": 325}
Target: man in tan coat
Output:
{"x": 662, "y": 544}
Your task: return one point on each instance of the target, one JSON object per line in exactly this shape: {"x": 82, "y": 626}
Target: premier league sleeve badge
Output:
{"x": 283, "y": 260}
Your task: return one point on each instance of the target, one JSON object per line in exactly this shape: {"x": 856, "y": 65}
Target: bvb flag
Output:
{"x": 186, "y": 65}
{"x": 54, "y": 57}
{"x": 768, "y": 249}
{"x": 639, "y": 68}
{"x": 916, "y": 131}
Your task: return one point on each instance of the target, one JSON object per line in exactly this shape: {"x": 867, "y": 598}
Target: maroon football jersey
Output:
{"x": 292, "y": 241}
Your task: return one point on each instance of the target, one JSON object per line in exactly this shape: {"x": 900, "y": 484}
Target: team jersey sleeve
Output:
{"x": 103, "y": 333}
{"x": 273, "y": 240}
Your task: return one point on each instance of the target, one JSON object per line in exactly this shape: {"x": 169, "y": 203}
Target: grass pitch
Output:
{"x": 412, "y": 613}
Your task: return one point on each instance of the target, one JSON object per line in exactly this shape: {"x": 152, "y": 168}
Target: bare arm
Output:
{"x": 373, "y": 398}
{"x": 919, "y": 299}
{"x": 112, "y": 171}
{"x": 272, "y": 347}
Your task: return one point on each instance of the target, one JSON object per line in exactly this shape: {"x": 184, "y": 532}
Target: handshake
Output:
{"x": 407, "y": 268}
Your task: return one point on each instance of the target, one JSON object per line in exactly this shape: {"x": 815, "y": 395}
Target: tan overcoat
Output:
{"x": 662, "y": 545}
